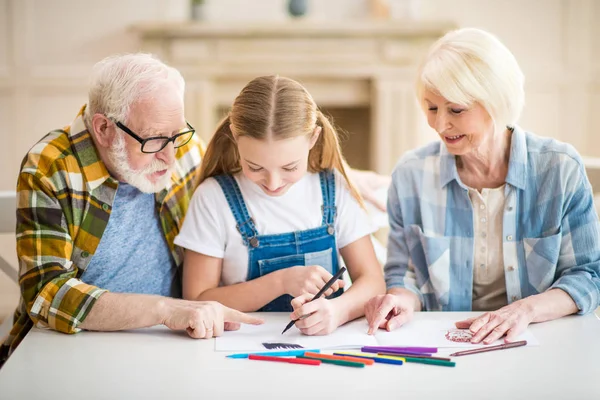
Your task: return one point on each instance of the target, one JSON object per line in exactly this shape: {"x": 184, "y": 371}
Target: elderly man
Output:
{"x": 99, "y": 205}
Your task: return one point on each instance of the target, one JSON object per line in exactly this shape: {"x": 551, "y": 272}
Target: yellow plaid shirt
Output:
{"x": 64, "y": 200}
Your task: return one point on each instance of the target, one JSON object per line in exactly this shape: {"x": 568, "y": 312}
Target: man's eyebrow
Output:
{"x": 149, "y": 132}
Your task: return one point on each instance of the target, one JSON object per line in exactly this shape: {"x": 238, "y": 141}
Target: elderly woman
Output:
{"x": 491, "y": 217}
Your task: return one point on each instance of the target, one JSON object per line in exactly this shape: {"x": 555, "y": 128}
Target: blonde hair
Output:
{"x": 469, "y": 66}
{"x": 280, "y": 108}
{"x": 120, "y": 80}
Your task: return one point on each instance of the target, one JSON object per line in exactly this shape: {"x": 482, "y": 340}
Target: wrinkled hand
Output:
{"x": 205, "y": 319}
{"x": 320, "y": 317}
{"x": 388, "y": 311}
{"x": 511, "y": 320}
{"x": 368, "y": 183}
{"x": 301, "y": 280}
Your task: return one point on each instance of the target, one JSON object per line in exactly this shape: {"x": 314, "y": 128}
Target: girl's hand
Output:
{"x": 320, "y": 317}
{"x": 301, "y": 280}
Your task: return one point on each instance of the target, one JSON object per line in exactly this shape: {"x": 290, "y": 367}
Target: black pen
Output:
{"x": 337, "y": 276}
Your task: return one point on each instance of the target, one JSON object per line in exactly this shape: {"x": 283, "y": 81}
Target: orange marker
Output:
{"x": 365, "y": 361}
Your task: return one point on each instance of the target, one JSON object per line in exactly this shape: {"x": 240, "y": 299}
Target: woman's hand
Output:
{"x": 301, "y": 280}
{"x": 389, "y": 311}
{"x": 511, "y": 320}
{"x": 319, "y": 317}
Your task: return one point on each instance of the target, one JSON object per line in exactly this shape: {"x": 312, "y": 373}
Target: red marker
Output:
{"x": 285, "y": 360}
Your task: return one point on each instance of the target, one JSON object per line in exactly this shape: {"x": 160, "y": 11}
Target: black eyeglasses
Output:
{"x": 157, "y": 143}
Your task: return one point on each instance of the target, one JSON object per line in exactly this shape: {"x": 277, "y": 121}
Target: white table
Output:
{"x": 159, "y": 364}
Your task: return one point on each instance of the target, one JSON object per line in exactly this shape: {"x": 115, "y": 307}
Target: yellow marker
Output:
{"x": 369, "y": 355}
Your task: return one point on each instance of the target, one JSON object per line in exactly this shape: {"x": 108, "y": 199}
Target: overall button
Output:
{"x": 330, "y": 230}
{"x": 85, "y": 254}
{"x": 105, "y": 207}
{"x": 254, "y": 242}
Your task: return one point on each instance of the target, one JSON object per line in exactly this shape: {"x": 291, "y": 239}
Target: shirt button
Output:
{"x": 85, "y": 254}
{"x": 483, "y": 220}
{"x": 105, "y": 207}
{"x": 514, "y": 298}
{"x": 509, "y": 238}
{"x": 510, "y": 208}
{"x": 482, "y": 206}
{"x": 482, "y": 265}
{"x": 511, "y": 268}
{"x": 483, "y": 234}
{"x": 483, "y": 248}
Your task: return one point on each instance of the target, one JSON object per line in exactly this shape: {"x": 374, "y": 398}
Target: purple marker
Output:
{"x": 399, "y": 352}
{"x": 397, "y": 349}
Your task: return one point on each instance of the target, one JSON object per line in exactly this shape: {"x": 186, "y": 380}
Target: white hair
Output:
{"x": 469, "y": 66}
{"x": 119, "y": 81}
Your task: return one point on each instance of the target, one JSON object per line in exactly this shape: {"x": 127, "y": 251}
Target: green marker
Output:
{"x": 431, "y": 362}
{"x": 336, "y": 362}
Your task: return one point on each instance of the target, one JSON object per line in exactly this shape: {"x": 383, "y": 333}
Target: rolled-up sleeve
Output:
{"x": 54, "y": 297}
{"x": 399, "y": 272}
{"x": 578, "y": 267}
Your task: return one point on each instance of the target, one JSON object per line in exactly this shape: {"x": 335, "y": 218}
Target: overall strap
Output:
{"x": 244, "y": 223}
{"x": 327, "y": 178}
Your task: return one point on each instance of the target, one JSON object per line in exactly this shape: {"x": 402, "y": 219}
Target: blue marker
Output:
{"x": 275, "y": 353}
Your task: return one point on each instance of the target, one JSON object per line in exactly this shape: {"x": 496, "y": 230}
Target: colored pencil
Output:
{"x": 274, "y": 353}
{"x": 319, "y": 356}
{"x": 390, "y": 352}
{"x": 377, "y": 359}
{"x": 490, "y": 348}
{"x": 441, "y": 363}
{"x": 335, "y": 362}
{"x": 393, "y": 349}
{"x": 414, "y": 356}
{"x": 285, "y": 360}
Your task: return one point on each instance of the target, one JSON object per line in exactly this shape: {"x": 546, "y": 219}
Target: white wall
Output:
{"x": 48, "y": 46}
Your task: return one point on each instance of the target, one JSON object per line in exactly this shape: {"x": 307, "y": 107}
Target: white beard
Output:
{"x": 137, "y": 178}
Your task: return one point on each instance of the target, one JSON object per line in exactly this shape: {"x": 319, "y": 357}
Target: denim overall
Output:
{"x": 269, "y": 253}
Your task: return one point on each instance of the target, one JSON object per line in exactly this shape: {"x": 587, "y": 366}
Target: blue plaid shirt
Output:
{"x": 550, "y": 228}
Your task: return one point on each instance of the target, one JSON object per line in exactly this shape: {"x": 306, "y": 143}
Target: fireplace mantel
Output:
{"x": 343, "y": 64}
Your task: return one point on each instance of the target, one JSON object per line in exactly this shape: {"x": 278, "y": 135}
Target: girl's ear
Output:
{"x": 315, "y": 136}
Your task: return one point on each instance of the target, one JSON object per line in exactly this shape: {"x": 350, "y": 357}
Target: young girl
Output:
{"x": 274, "y": 206}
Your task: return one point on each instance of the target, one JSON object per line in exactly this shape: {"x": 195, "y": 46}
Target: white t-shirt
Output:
{"x": 209, "y": 227}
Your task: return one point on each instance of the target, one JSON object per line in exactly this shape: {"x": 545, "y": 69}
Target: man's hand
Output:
{"x": 205, "y": 319}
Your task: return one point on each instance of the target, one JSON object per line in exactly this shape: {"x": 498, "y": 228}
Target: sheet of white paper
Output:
{"x": 427, "y": 333}
{"x": 251, "y": 337}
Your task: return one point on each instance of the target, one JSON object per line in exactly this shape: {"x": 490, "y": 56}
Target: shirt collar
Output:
{"x": 517, "y": 163}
